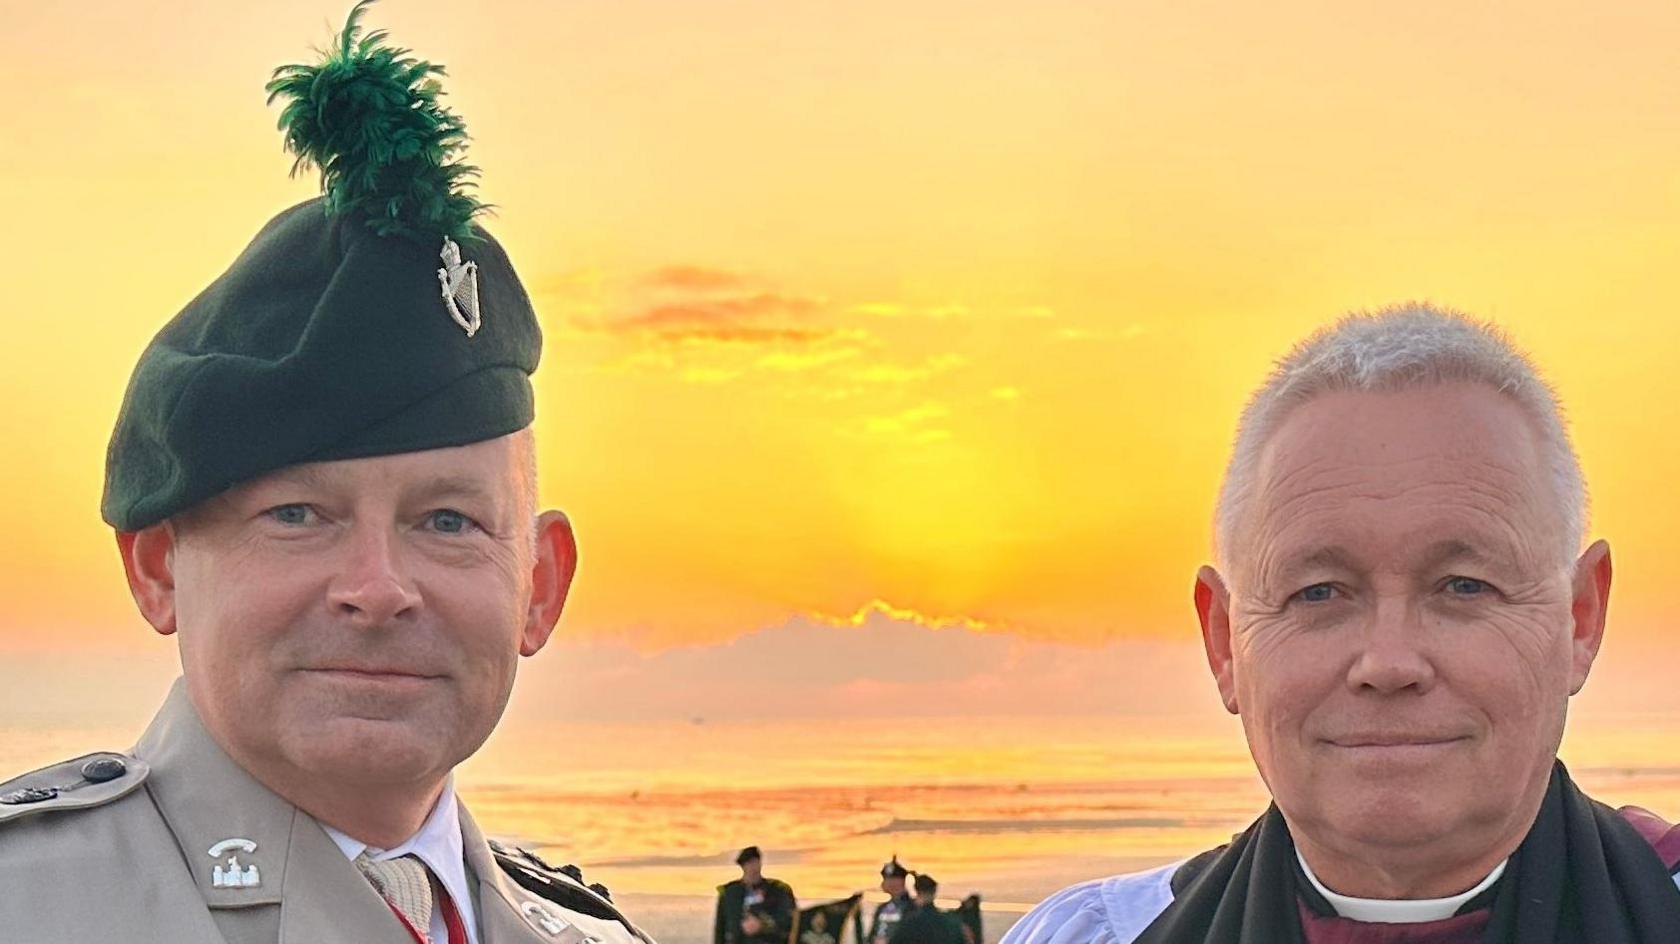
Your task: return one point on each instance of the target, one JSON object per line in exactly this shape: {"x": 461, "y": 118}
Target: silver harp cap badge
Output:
{"x": 459, "y": 281}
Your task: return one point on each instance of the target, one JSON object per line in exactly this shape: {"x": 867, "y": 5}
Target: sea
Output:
{"x": 1010, "y": 808}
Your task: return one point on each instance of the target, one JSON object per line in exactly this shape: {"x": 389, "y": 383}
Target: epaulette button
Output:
{"x": 104, "y": 769}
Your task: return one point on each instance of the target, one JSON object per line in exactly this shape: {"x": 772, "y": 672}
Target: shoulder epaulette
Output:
{"x": 83, "y": 783}
{"x": 562, "y": 885}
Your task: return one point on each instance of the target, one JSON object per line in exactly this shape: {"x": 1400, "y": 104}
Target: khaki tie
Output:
{"x": 406, "y": 883}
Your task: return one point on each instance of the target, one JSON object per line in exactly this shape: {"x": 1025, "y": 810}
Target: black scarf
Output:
{"x": 1583, "y": 875}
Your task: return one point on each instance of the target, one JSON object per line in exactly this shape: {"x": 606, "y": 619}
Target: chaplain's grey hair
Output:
{"x": 1398, "y": 348}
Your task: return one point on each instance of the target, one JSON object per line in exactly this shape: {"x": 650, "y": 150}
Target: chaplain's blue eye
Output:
{"x": 1317, "y": 593}
{"x": 448, "y": 521}
{"x": 290, "y": 514}
{"x": 1466, "y": 586}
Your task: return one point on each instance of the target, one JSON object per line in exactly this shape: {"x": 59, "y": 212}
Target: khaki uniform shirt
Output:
{"x": 130, "y": 860}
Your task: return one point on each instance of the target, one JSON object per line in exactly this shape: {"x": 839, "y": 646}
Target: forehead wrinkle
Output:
{"x": 1460, "y": 535}
{"x": 308, "y": 475}
{"x": 1497, "y": 483}
{"x": 1490, "y": 522}
{"x": 1328, "y": 556}
{"x": 453, "y": 484}
{"x": 1452, "y": 551}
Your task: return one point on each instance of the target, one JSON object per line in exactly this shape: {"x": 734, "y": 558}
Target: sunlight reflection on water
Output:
{"x": 1012, "y": 808}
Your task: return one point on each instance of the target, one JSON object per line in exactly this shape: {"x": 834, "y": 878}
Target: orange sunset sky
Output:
{"x": 931, "y": 317}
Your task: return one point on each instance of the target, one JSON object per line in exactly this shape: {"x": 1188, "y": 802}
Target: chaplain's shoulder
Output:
{"x": 563, "y": 886}
{"x": 1111, "y": 910}
{"x": 82, "y": 783}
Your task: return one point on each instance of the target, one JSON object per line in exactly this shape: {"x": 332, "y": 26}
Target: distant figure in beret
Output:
{"x": 896, "y": 908}
{"x": 322, "y": 483}
{"x": 927, "y": 924}
{"x": 754, "y": 909}
{"x": 1403, "y": 603}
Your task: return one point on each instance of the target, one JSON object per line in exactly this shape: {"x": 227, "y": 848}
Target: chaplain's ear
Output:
{"x": 1589, "y": 602}
{"x": 148, "y": 557}
{"x": 1213, "y": 608}
{"x": 551, "y": 580}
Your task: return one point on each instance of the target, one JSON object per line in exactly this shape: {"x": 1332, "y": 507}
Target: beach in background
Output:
{"x": 1008, "y": 807}
{"x": 892, "y": 355}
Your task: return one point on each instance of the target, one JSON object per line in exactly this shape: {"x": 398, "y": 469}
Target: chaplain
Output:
{"x": 322, "y": 485}
{"x": 1403, "y": 605}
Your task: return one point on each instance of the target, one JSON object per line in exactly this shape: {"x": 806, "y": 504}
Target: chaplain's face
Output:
{"x": 359, "y": 621}
{"x": 1401, "y": 632}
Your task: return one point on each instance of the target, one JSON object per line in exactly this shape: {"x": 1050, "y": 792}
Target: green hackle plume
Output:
{"x": 368, "y": 116}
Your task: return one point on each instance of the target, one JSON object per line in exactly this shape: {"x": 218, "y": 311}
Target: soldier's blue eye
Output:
{"x": 290, "y": 514}
{"x": 1466, "y": 586}
{"x": 1317, "y": 593}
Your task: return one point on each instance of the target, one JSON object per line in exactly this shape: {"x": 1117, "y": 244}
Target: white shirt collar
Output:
{"x": 439, "y": 845}
{"x": 1405, "y": 911}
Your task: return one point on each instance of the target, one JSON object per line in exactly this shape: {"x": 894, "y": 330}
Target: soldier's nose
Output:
{"x": 372, "y": 588}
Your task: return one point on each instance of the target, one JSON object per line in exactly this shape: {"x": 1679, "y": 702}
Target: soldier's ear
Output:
{"x": 148, "y": 557}
{"x": 551, "y": 580}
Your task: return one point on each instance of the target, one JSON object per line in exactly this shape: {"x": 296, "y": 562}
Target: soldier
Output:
{"x": 754, "y": 909}
{"x": 322, "y": 483}
{"x": 927, "y": 924}
{"x": 896, "y": 908}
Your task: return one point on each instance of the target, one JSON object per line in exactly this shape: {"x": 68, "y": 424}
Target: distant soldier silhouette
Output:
{"x": 926, "y": 924}
{"x": 754, "y": 909}
{"x": 896, "y": 908}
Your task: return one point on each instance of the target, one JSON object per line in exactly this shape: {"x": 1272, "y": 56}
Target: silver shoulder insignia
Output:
{"x": 87, "y": 781}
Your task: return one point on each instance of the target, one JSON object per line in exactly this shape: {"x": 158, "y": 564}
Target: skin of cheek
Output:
{"x": 1271, "y": 684}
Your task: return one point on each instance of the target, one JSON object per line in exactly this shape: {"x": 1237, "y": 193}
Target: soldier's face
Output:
{"x": 359, "y": 621}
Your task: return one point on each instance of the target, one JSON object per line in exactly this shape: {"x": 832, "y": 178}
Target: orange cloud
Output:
{"x": 694, "y": 278}
{"x": 712, "y": 310}
{"x": 743, "y": 334}
{"x": 761, "y": 317}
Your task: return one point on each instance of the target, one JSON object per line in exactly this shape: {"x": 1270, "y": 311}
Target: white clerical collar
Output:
{"x": 439, "y": 845}
{"x": 1405, "y": 911}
